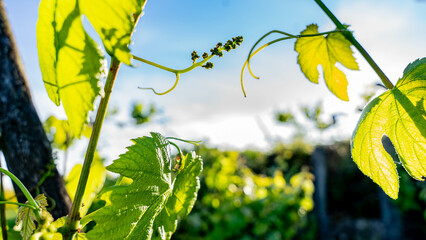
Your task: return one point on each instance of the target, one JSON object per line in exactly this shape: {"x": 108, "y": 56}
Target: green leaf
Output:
{"x": 60, "y": 134}
{"x": 26, "y": 217}
{"x": 94, "y": 184}
{"x": 399, "y": 114}
{"x": 114, "y": 21}
{"x": 70, "y": 61}
{"x": 182, "y": 200}
{"x": 154, "y": 199}
{"x": 326, "y": 51}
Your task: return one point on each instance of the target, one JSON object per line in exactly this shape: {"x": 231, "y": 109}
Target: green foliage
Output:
{"x": 285, "y": 117}
{"x": 70, "y": 61}
{"x": 237, "y": 203}
{"x": 326, "y": 51}
{"x": 60, "y": 134}
{"x": 140, "y": 115}
{"x": 399, "y": 114}
{"x": 314, "y": 115}
{"x": 149, "y": 206}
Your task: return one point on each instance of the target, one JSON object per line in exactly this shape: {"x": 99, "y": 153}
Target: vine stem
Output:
{"x": 350, "y": 37}
{"x": 18, "y": 204}
{"x": 73, "y": 220}
{"x": 2, "y": 210}
{"x": 24, "y": 190}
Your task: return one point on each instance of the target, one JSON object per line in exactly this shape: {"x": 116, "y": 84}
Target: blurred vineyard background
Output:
{"x": 295, "y": 190}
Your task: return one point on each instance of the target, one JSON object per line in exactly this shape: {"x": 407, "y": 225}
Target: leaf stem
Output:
{"x": 357, "y": 45}
{"x": 196, "y": 143}
{"x": 2, "y": 210}
{"x": 24, "y": 190}
{"x": 19, "y": 204}
{"x": 74, "y": 216}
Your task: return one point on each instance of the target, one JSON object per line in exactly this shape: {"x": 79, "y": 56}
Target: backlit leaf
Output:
{"x": 399, "y": 114}
{"x": 70, "y": 61}
{"x": 326, "y": 51}
{"x": 114, "y": 21}
{"x": 60, "y": 134}
{"x": 149, "y": 206}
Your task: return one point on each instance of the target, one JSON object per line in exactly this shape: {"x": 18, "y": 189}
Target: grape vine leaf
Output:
{"x": 149, "y": 206}
{"x": 70, "y": 61}
{"x": 26, "y": 217}
{"x": 114, "y": 22}
{"x": 326, "y": 51}
{"x": 399, "y": 114}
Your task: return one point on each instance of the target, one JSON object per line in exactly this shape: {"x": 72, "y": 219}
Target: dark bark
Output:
{"x": 24, "y": 143}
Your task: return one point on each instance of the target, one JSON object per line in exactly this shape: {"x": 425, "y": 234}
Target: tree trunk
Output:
{"x": 24, "y": 143}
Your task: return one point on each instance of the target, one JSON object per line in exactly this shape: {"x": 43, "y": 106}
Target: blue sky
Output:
{"x": 208, "y": 104}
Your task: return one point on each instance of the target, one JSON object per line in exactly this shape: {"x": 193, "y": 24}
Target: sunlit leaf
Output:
{"x": 148, "y": 207}
{"x": 326, "y": 51}
{"x": 60, "y": 133}
{"x": 114, "y": 23}
{"x": 94, "y": 184}
{"x": 70, "y": 61}
{"x": 399, "y": 114}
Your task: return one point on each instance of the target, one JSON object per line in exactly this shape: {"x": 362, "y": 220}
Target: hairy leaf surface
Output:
{"x": 326, "y": 51}
{"x": 399, "y": 114}
{"x": 149, "y": 206}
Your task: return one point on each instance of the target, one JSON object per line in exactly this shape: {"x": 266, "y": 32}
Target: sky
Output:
{"x": 209, "y": 104}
